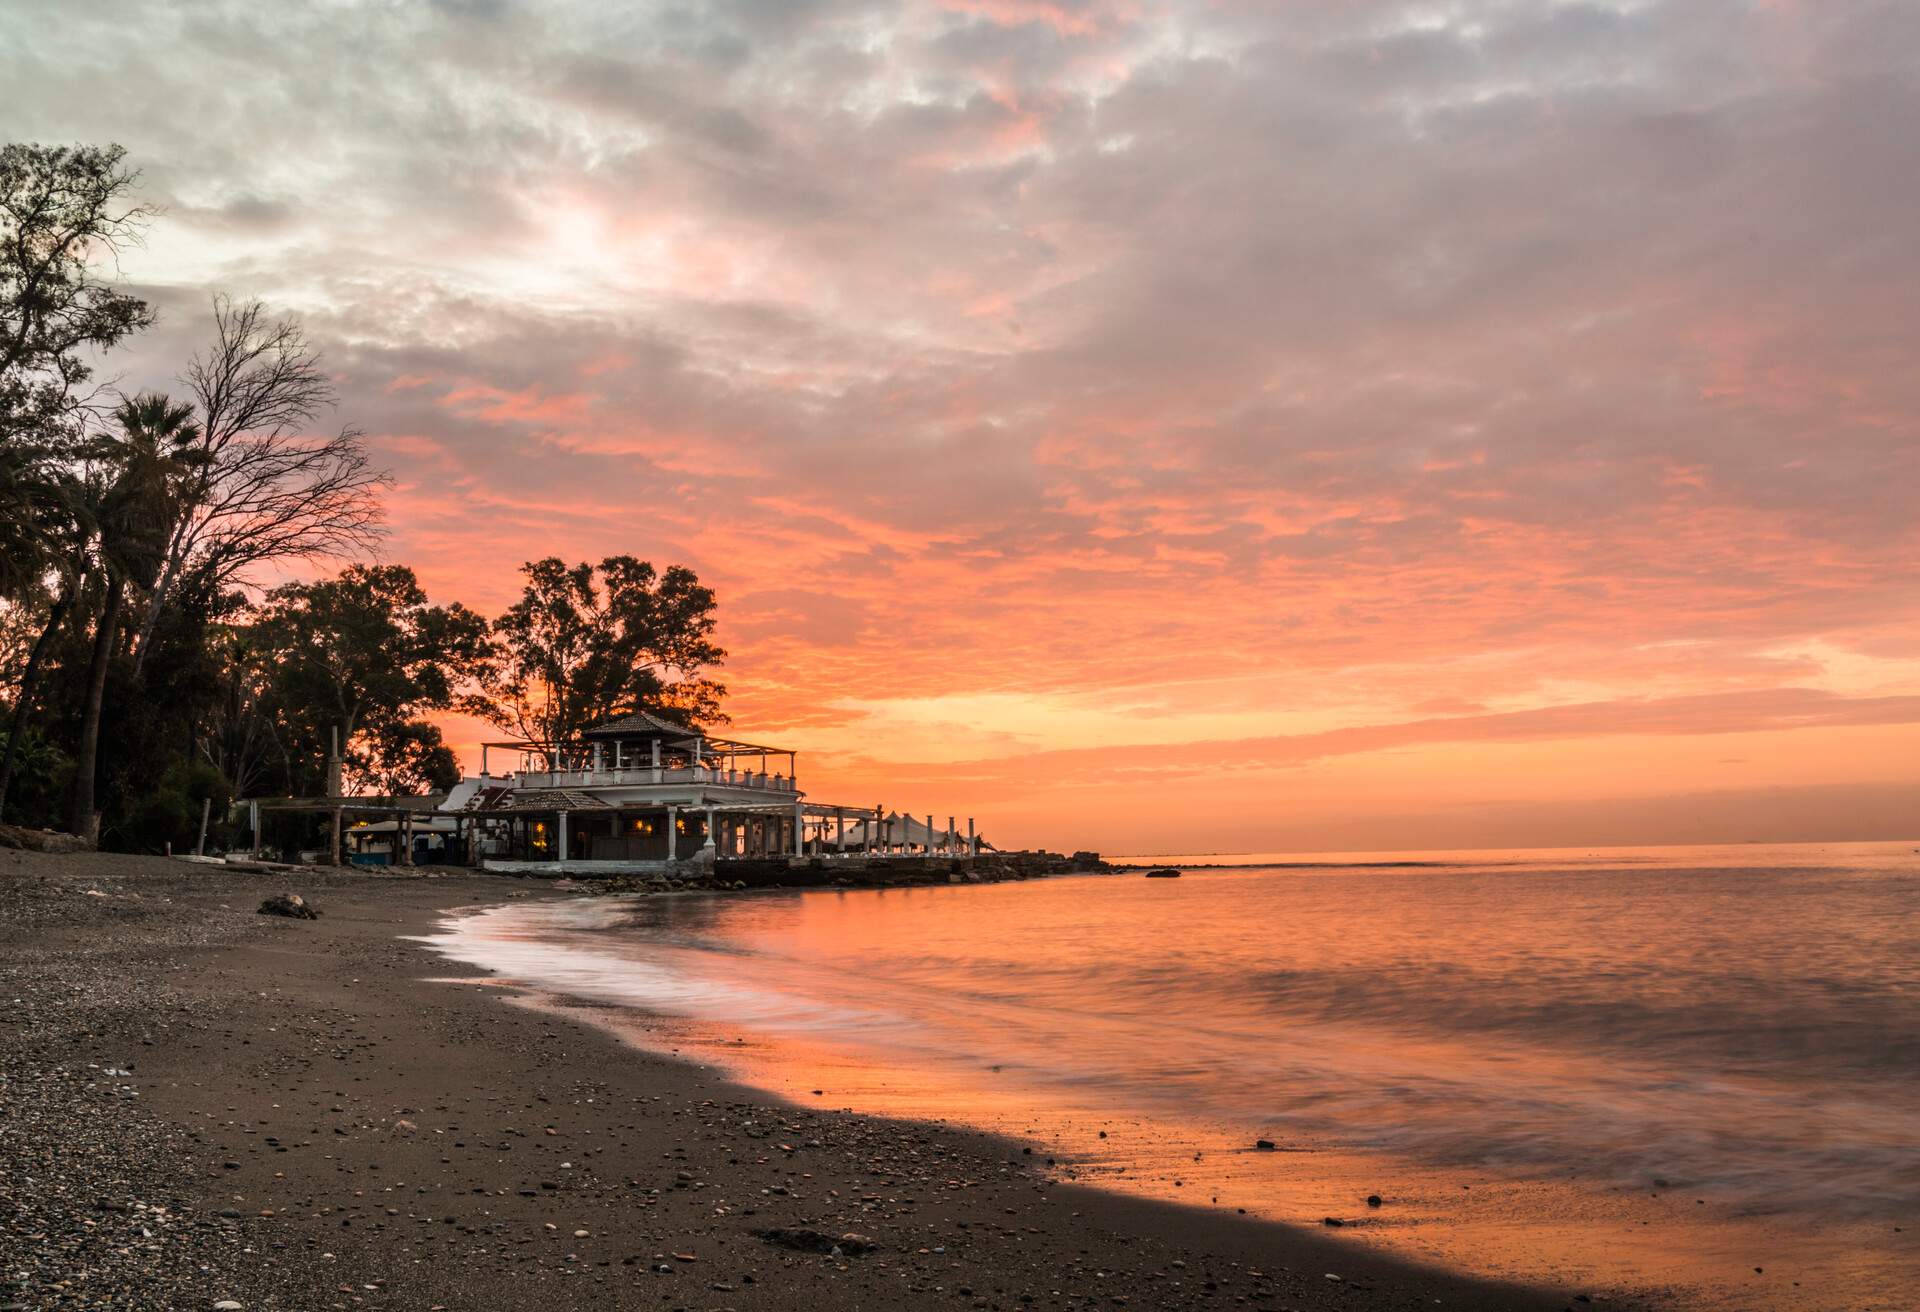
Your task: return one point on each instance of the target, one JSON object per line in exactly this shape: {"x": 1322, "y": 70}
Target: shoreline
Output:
{"x": 333, "y": 1115}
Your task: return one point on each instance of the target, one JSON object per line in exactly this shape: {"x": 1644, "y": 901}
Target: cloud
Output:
{"x": 1326, "y": 362}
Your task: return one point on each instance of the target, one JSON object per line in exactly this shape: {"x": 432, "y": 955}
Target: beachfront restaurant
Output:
{"x": 642, "y": 794}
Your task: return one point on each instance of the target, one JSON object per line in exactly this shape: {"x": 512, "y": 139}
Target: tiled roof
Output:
{"x": 640, "y": 722}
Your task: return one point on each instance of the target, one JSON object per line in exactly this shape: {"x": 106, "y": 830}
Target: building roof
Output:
{"x": 501, "y": 800}
{"x": 554, "y": 799}
{"x": 640, "y": 724}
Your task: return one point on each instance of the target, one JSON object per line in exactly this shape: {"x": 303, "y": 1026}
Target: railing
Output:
{"x": 647, "y": 775}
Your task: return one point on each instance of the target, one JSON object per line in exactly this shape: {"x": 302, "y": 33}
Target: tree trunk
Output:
{"x": 178, "y": 548}
{"x": 150, "y": 619}
{"x": 29, "y": 682}
{"x": 86, "y": 759}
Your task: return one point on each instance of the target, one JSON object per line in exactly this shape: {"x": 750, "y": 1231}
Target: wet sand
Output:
{"x": 205, "y": 1104}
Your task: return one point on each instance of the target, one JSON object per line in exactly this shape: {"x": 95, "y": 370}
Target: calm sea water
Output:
{"x": 1657, "y": 1068}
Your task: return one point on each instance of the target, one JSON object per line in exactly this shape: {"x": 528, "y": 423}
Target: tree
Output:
{"x": 583, "y": 644}
{"x": 134, "y": 504}
{"x": 405, "y": 757}
{"x": 42, "y": 518}
{"x": 266, "y": 490}
{"x": 243, "y": 735}
{"x": 365, "y": 651}
{"x": 62, "y": 208}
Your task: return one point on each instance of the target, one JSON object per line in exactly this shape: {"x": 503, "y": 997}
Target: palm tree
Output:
{"x": 134, "y": 495}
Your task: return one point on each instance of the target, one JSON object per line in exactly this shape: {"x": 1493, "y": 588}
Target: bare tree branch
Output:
{"x": 268, "y": 490}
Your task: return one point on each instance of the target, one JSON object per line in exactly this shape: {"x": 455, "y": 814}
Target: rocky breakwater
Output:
{"x": 851, "y": 872}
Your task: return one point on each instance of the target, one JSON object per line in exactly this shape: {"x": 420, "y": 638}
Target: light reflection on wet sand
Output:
{"x": 1510, "y": 1058}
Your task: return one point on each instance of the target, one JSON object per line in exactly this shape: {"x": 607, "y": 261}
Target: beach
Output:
{"x": 206, "y": 1107}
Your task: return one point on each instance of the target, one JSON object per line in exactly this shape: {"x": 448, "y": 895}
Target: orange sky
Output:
{"x": 1152, "y": 427}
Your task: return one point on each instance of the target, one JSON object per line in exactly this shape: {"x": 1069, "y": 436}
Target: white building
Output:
{"x": 640, "y": 794}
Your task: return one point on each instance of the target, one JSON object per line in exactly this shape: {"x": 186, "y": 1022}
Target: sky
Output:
{"x": 1145, "y": 427}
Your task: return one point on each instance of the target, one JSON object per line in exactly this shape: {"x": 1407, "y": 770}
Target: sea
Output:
{"x": 1687, "y": 1073}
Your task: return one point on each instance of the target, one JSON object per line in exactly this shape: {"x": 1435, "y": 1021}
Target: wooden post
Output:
{"x": 206, "y": 810}
{"x": 335, "y": 785}
{"x": 253, "y": 808}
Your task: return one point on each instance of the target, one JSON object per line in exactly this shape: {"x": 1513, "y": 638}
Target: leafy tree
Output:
{"x": 366, "y": 651}
{"x": 405, "y": 757}
{"x": 43, "y": 518}
{"x": 169, "y": 812}
{"x": 243, "y": 733}
{"x": 42, "y": 773}
{"x": 583, "y": 644}
{"x": 63, "y": 210}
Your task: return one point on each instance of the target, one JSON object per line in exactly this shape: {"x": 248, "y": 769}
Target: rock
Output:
{"x": 818, "y": 1241}
{"x": 228, "y": 1305}
{"x": 41, "y": 840}
{"x": 1373, "y": 1200}
{"x": 1164, "y": 872}
{"x": 1264, "y": 1145}
{"x": 289, "y": 904}
{"x": 1331, "y": 1220}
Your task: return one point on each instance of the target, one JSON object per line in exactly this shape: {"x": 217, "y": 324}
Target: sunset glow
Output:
{"x": 1144, "y": 427}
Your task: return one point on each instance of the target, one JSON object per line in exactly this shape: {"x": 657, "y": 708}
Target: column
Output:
{"x": 656, "y": 760}
{"x": 839, "y": 830}
{"x": 929, "y": 833}
{"x": 799, "y": 831}
{"x": 710, "y": 829}
{"x": 562, "y": 851}
{"x": 950, "y": 835}
{"x": 973, "y": 842}
{"x": 673, "y": 832}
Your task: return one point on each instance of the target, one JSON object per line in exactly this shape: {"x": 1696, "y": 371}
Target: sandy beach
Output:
{"x": 206, "y": 1107}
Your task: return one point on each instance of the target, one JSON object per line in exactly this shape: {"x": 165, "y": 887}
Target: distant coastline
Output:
{"x": 1132, "y": 863}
